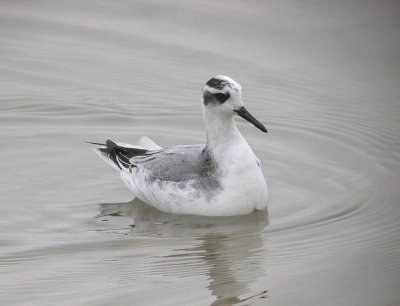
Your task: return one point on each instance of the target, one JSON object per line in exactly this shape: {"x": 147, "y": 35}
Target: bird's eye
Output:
{"x": 222, "y": 97}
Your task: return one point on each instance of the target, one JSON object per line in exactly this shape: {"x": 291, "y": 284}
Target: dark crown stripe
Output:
{"x": 216, "y": 83}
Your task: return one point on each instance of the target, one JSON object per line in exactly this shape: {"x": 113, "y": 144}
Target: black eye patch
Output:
{"x": 221, "y": 97}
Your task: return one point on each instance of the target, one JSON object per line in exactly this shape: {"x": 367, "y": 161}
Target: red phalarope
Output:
{"x": 221, "y": 178}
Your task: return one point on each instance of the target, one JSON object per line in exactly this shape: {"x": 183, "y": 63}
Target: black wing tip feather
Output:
{"x": 118, "y": 154}
{"x": 111, "y": 144}
{"x": 96, "y": 143}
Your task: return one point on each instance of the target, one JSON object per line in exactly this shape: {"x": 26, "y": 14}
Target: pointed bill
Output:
{"x": 242, "y": 112}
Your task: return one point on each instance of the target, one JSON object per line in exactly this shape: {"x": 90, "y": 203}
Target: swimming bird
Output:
{"x": 221, "y": 178}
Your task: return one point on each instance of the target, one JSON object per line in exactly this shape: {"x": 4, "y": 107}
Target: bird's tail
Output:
{"x": 116, "y": 155}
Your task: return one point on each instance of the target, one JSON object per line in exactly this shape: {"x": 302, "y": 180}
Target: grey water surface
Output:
{"x": 323, "y": 76}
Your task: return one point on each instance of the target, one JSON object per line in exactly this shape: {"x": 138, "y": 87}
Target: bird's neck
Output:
{"x": 224, "y": 140}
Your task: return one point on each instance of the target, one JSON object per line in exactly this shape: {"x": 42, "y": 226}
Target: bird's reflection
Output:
{"x": 231, "y": 248}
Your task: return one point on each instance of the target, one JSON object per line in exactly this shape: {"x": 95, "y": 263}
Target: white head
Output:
{"x": 223, "y": 97}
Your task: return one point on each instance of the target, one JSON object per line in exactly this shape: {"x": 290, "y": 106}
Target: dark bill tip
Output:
{"x": 242, "y": 112}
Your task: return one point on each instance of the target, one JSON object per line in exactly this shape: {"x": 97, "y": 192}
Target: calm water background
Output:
{"x": 322, "y": 75}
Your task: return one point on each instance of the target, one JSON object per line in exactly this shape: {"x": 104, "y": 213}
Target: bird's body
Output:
{"x": 221, "y": 178}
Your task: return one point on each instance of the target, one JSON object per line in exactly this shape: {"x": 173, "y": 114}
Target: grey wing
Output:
{"x": 175, "y": 164}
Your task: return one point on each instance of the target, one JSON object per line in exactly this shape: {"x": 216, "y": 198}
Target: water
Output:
{"x": 324, "y": 78}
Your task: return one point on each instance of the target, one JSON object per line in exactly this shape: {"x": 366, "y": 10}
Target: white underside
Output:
{"x": 234, "y": 198}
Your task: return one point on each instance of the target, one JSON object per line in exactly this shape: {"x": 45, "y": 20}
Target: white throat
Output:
{"x": 224, "y": 140}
